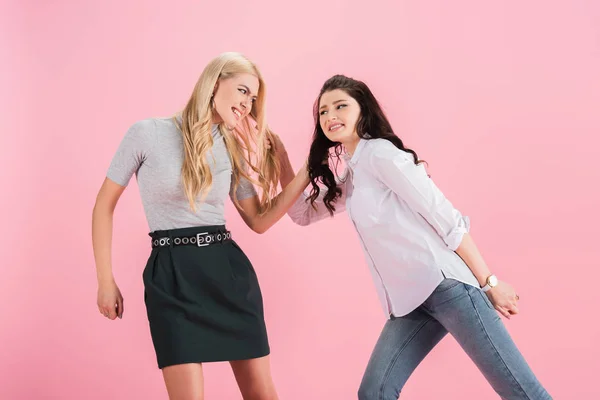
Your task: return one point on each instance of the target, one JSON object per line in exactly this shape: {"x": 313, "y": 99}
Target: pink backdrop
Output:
{"x": 501, "y": 98}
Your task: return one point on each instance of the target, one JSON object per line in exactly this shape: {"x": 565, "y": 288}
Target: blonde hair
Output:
{"x": 246, "y": 144}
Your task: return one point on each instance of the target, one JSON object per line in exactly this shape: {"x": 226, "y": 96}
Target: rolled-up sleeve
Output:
{"x": 303, "y": 213}
{"x": 396, "y": 169}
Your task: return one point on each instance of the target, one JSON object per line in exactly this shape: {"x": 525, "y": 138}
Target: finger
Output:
{"x": 503, "y": 311}
{"x": 113, "y": 313}
{"x": 120, "y": 308}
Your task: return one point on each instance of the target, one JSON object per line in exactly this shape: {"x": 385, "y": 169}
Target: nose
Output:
{"x": 246, "y": 100}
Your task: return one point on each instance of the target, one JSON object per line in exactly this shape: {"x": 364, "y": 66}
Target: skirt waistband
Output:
{"x": 189, "y": 231}
{"x": 200, "y": 237}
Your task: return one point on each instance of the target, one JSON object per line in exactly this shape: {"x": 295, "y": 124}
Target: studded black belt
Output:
{"x": 199, "y": 239}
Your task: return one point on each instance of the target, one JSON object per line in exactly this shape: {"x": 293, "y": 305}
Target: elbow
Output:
{"x": 258, "y": 227}
{"x": 299, "y": 220}
{"x": 260, "y": 230}
{"x": 454, "y": 245}
{"x": 454, "y": 238}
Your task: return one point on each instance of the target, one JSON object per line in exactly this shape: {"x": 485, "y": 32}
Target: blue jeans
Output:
{"x": 470, "y": 317}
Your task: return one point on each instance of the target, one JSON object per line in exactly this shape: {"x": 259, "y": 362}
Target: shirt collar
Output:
{"x": 352, "y": 160}
{"x": 215, "y": 130}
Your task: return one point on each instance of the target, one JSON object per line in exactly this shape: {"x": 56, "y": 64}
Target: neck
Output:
{"x": 351, "y": 144}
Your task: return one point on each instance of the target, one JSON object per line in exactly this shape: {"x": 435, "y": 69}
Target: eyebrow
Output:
{"x": 247, "y": 88}
{"x": 334, "y": 103}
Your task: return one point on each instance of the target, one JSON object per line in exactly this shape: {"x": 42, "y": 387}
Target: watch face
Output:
{"x": 492, "y": 280}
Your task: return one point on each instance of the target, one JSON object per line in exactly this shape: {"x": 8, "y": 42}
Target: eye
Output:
{"x": 243, "y": 91}
{"x": 340, "y": 106}
{"x": 323, "y": 112}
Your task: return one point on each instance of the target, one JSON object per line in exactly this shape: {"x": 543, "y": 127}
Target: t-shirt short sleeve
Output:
{"x": 244, "y": 190}
{"x": 132, "y": 152}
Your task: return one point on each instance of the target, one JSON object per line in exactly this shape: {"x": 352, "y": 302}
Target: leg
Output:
{"x": 184, "y": 381}
{"x": 469, "y": 316}
{"x": 254, "y": 378}
{"x": 402, "y": 345}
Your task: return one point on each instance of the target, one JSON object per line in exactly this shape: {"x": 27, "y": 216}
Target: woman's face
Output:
{"x": 233, "y": 98}
{"x": 338, "y": 116}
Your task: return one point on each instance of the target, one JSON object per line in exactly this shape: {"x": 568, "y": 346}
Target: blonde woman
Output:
{"x": 202, "y": 295}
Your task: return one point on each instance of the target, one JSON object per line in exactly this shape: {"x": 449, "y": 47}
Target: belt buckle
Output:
{"x": 204, "y": 242}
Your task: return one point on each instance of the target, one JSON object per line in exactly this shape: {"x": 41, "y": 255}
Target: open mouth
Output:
{"x": 336, "y": 127}
{"x": 237, "y": 112}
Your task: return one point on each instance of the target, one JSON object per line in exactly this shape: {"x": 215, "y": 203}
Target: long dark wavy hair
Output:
{"x": 372, "y": 124}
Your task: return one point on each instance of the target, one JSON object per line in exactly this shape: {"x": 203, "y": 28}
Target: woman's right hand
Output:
{"x": 504, "y": 298}
{"x": 110, "y": 300}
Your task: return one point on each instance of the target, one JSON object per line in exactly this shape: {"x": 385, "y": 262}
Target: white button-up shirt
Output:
{"x": 407, "y": 228}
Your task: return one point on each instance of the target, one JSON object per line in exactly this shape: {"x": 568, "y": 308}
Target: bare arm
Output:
{"x": 503, "y": 296}
{"x": 260, "y": 222}
{"x": 110, "y": 301}
{"x": 302, "y": 212}
{"x": 468, "y": 251}
{"x": 287, "y": 171}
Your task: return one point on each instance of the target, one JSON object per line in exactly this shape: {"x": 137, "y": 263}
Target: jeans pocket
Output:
{"x": 446, "y": 284}
{"x": 450, "y": 290}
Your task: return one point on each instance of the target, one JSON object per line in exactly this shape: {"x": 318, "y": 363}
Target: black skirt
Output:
{"x": 204, "y": 303}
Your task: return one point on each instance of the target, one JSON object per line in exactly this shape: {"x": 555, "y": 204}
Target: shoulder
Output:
{"x": 377, "y": 150}
{"x": 152, "y": 129}
{"x": 164, "y": 124}
{"x": 141, "y": 130}
{"x": 144, "y": 125}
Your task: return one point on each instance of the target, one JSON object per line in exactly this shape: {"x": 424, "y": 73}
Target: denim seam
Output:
{"x": 495, "y": 348}
{"x": 397, "y": 355}
{"x": 457, "y": 297}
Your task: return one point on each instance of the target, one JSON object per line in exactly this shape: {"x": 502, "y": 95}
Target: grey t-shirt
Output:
{"x": 153, "y": 150}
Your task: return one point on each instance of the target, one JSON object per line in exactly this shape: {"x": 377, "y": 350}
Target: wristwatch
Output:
{"x": 490, "y": 282}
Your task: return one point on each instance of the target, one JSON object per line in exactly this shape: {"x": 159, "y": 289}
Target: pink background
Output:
{"x": 501, "y": 98}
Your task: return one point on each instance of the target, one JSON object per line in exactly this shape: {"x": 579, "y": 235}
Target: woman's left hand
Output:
{"x": 504, "y": 298}
{"x": 275, "y": 144}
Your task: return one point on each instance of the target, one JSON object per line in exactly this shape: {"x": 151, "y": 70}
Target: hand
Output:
{"x": 274, "y": 143}
{"x": 110, "y": 301}
{"x": 504, "y": 298}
